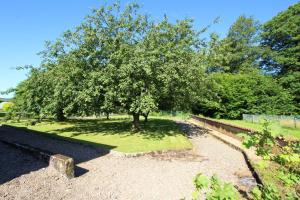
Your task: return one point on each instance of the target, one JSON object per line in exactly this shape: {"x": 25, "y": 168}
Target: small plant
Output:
{"x": 7, "y": 106}
{"x": 289, "y": 159}
{"x": 266, "y": 192}
{"x": 288, "y": 178}
{"x": 263, "y": 141}
{"x": 289, "y": 156}
{"x": 214, "y": 188}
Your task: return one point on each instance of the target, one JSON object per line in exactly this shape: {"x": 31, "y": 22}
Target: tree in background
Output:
{"x": 253, "y": 93}
{"x": 122, "y": 60}
{"x": 281, "y": 44}
{"x": 238, "y": 51}
{"x": 280, "y": 40}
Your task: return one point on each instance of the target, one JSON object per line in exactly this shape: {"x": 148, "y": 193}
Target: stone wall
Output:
{"x": 227, "y": 129}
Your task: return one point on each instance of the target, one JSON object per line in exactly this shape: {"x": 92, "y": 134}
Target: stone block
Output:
{"x": 63, "y": 164}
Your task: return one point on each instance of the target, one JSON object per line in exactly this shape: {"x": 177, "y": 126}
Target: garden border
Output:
{"x": 61, "y": 163}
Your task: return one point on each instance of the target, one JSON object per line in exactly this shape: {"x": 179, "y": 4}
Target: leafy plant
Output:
{"x": 7, "y": 106}
{"x": 288, "y": 178}
{"x": 263, "y": 141}
{"x": 214, "y": 187}
{"x": 289, "y": 157}
{"x": 266, "y": 192}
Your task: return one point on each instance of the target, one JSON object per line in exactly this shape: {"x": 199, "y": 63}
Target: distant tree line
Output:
{"x": 121, "y": 60}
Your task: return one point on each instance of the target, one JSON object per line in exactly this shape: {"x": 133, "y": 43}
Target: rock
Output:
{"x": 63, "y": 164}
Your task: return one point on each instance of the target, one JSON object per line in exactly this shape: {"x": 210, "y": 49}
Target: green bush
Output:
{"x": 267, "y": 192}
{"x": 7, "y": 106}
{"x": 2, "y": 114}
{"x": 235, "y": 94}
{"x": 214, "y": 188}
{"x": 263, "y": 141}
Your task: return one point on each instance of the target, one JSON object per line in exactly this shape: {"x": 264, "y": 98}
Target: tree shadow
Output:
{"x": 14, "y": 163}
{"x": 192, "y": 130}
{"x": 79, "y": 150}
{"x": 154, "y": 129}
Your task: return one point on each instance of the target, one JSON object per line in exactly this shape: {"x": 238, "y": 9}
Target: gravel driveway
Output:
{"x": 108, "y": 176}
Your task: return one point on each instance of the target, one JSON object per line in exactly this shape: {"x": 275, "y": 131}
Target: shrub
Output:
{"x": 235, "y": 94}
{"x": 215, "y": 188}
{"x": 267, "y": 192}
{"x": 7, "y": 106}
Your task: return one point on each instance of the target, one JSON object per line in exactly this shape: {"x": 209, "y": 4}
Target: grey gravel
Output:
{"x": 106, "y": 176}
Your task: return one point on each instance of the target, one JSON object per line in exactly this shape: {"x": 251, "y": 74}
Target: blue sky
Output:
{"x": 25, "y": 25}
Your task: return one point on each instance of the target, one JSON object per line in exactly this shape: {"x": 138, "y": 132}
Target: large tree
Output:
{"x": 281, "y": 41}
{"x": 238, "y": 51}
{"x": 116, "y": 59}
{"x": 281, "y": 44}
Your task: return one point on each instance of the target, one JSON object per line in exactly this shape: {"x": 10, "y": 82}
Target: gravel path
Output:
{"x": 15, "y": 159}
{"x": 79, "y": 152}
{"x": 113, "y": 177}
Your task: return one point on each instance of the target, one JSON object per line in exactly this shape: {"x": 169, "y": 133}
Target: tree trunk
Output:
{"x": 136, "y": 121}
{"x": 107, "y": 115}
{"x": 146, "y": 117}
{"x": 60, "y": 115}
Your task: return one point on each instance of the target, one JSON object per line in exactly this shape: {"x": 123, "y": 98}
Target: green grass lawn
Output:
{"x": 157, "y": 134}
{"x": 275, "y": 128}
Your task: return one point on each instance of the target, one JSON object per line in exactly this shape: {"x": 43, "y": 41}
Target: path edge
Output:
{"x": 249, "y": 154}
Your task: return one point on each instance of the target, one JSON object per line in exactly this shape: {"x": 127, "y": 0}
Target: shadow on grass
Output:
{"x": 153, "y": 129}
{"x": 81, "y": 150}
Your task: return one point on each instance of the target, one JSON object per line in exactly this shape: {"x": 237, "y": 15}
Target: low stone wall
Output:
{"x": 63, "y": 164}
{"x": 227, "y": 129}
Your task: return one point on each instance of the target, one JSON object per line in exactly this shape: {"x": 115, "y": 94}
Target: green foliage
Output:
{"x": 115, "y": 60}
{"x": 7, "y": 106}
{"x": 263, "y": 141}
{"x": 238, "y": 52}
{"x": 280, "y": 38}
{"x": 232, "y": 95}
{"x": 289, "y": 157}
{"x": 2, "y": 114}
{"x": 281, "y": 43}
{"x": 288, "y": 178}
{"x": 121, "y": 60}
{"x": 201, "y": 181}
{"x": 281, "y": 179}
{"x": 287, "y": 173}
{"x": 214, "y": 187}
{"x": 241, "y": 52}
{"x": 266, "y": 192}
{"x": 291, "y": 81}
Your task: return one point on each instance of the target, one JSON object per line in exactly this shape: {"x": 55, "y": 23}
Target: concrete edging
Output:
{"x": 222, "y": 127}
{"x": 61, "y": 163}
{"x": 137, "y": 154}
